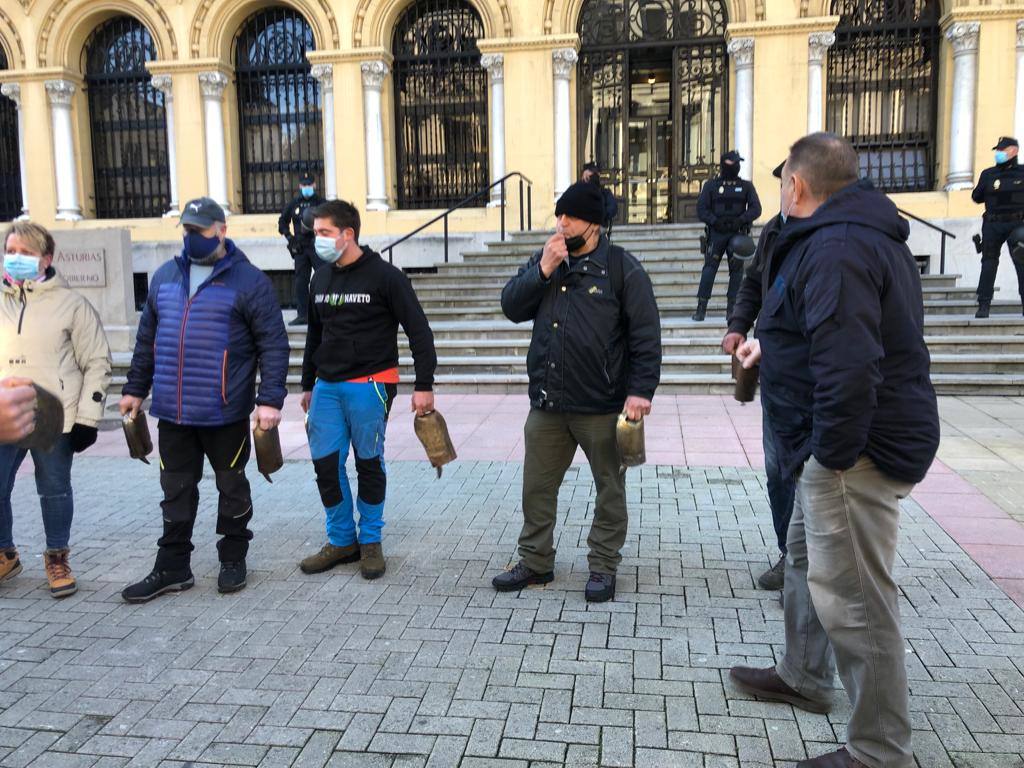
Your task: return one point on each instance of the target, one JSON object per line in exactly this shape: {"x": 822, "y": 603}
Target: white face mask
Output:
{"x": 785, "y": 213}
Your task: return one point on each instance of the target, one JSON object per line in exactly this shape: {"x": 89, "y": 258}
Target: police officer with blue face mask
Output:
{"x": 1001, "y": 189}
{"x": 300, "y": 241}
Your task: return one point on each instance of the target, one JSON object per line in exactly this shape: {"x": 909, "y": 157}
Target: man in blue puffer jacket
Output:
{"x": 210, "y": 321}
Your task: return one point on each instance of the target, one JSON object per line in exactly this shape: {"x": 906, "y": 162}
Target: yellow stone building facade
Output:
{"x": 516, "y": 103}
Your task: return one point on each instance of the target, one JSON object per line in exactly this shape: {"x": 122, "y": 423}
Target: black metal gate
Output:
{"x": 279, "y": 123}
{"x": 653, "y": 101}
{"x": 441, "y": 105}
{"x": 127, "y": 126}
{"x": 883, "y": 88}
{"x": 10, "y": 164}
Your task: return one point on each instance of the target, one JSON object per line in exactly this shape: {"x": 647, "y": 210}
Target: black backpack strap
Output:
{"x": 616, "y": 275}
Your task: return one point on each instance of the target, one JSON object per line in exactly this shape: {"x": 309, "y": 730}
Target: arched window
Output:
{"x": 278, "y": 109}
{"x": 652, "y": 101}
{"x": 126, "y": 122}
{"x": 10, "y": 166}
{"x": 441, "y": 105}
{"x": 883, "y": 88}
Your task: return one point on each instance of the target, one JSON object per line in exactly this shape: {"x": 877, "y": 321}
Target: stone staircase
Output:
{"x": 481, "y": 351}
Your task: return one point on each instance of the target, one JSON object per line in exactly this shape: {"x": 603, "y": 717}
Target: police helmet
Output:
{"x": 1016, "y": 243}
{"x": 742, "y": 247}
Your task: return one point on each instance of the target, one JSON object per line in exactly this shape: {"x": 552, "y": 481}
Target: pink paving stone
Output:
{"x": 716, "y": 459}
{"x": 1014, "y": 588}
{"x": 983, "y": 530}
{"x": 940, "y": 482}
{"x": 960, "y": 505}
{"x": 999, "y": 562}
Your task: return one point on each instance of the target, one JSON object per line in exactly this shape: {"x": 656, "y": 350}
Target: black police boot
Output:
{"x": 156, "y": 584}
{"x": 520, "y": 577}
{"x": 702, "y": 309}
{"x": 600, "y": 587}
{"x": 232, "y": 576}
{"x": 983, "y": 309}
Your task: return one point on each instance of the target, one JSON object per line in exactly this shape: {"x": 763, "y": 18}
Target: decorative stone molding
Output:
{"x": 741, "y": 52}
{"x": 564, "y": 60}
{"x": 1020, "y": 34}
{"x": 817, "y": 44}
{"x": 162, "y": 83}
{"x": 963, "y": 36}
{"x": 60, "y": 92}
{"x": 324, "y": 73}
{"x": 374, "y": 73}
{"x": 13, "y": 92}
{"x": 494, "y": 63}
{"x": 212, "y": 84}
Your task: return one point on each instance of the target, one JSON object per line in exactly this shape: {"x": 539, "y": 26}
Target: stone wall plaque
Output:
{"x": 82, "y": 267}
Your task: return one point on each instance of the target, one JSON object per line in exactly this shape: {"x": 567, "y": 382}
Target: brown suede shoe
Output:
{"x": 838, "y": 759}
{"x": 372, "y": 564}
{"x": 10, "y": 564}
{"x": 766, "y": 684}
{"x": 58, "y": 573}
{"x": 328, "y": 557}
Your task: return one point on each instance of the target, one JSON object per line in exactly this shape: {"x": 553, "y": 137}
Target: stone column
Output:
{"x": 964, "y": 38}
{"x": 494, "y": 63}
{"x": 817, "y": 45}
{"x": 163, "y": 83}
{"x": 1018, "y": 112}
{"x": 212, "y": 85}
{"x": 741, "y": 51}
{"x": 60, "y": 93}
{"x": 13, "y": 92}
{"x": 374, "y": 73}
{"x": 324, "y": 73}
{"x": 564, "y": 60}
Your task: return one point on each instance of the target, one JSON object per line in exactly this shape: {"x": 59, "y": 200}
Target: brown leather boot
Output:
{"x": 328, "y": 557}
{"x": 766, "y": 684}
{"x": 372, "y": 564}
{"x": 10, "y": 564}
{"x": 58, "y": 573}
{"x": 838, "y": 759}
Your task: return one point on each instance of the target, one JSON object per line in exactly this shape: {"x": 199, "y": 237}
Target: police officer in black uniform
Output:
{"x": 1001, "y": 189}
{"x": 300, "y": 241}
{"x": 728, "y": 205}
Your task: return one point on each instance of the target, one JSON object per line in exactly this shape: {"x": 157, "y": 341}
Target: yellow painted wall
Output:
{"x": 43, "y": 40}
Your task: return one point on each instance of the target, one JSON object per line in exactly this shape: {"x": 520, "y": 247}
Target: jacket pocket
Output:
{"x": 224, "y": 378}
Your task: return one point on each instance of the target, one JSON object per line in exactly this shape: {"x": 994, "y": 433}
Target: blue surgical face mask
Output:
{"x": 21, "y": 267}
{"x": 307, "y": 192}
{"x": 326, "y": 249}
{"x": 1001, "y": 157}
{"x": 201, "y": 250}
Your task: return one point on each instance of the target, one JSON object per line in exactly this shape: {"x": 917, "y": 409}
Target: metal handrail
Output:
{"x": 525, "y": 213}
{"x": 944, "y": 233}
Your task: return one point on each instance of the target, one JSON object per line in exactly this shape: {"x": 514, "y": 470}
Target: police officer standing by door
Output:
{"x": 1001, "y": 189}
{"x": 300, "y": 242}
{"x": 728, "y": 205}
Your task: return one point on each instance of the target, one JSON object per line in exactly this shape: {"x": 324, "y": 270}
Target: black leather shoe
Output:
{"x": 766, "y": 684}
{"x": 983, "y": 309}
{"x": 520, "y": 577}
{"x": 838, "y": 759}
{"x": 775, "y": 577}
{"x": 600, "y": 587}
{"x": 156, "y": 584}
{"x": 232, "y": 577}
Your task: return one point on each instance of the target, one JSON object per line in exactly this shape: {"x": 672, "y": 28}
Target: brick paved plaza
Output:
{"x": 430, "y": 667}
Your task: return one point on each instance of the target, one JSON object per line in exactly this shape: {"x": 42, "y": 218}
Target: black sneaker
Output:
{"x": 984, "y": 307}
{"x": 775, "y": 577}
{"x": 232, "y": 577}
{"x": 600, "y": 587}
{"x": 519, "y": 577}
{"x": 156, "y": 584}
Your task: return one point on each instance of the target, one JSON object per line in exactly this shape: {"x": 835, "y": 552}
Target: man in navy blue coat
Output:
{"x": 210, "y": 321}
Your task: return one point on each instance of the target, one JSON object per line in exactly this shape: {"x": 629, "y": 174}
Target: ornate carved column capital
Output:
{"x": 163, "y": 83}
{"x": 741, "y": 51}
{"x": 212, "y": 84}
{"x": 324, "y": 73}
{"x": 13, "y": 92}
{"x": 564, "y": 60}
{"x": 494, "y": 63}
{"x": 817, "y": 44}
{"x": 59, "y": 92}
{"x": 964, "y": 37}
{"x": 374, "y": 73}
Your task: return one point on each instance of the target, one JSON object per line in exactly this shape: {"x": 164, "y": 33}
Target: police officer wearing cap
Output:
{"x": 1001, "y": 189}
{"x": 300, "y": 242}
{"x": 728, "y": 205}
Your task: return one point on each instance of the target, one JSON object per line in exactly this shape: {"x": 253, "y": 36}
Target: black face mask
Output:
{"x": 730, "y": 171}
{"x": 575, "y": 243}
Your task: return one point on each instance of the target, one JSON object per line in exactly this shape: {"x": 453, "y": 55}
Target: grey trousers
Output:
{"x": 841, "y": 605}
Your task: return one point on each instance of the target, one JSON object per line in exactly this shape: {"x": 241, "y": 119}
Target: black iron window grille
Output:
{"x": 131, "y": 177}
{"x": 279, "y": 121}
{"x": 10, "y": 163}
{"x": 883, "y": 89}
{"x": 652, "y": 101}
{"x": 441, "y": 105}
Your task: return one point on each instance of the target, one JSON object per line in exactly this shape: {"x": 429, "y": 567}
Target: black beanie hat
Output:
{"x": 582, "y": 201}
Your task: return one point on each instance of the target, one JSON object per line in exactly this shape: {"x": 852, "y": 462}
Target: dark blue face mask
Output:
{"x": 201, "y": 250}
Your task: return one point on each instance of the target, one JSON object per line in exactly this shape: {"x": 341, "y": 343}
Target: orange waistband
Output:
{"x": 390, "y": 376}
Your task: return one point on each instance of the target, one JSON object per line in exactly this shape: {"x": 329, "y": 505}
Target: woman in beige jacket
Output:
{"x": 53, "y": 336}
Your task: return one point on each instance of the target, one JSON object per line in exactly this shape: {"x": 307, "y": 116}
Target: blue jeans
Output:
{"x": 53, "y": 483}
{"x": 343, "y": 414}
{"x": 781, "y": 489}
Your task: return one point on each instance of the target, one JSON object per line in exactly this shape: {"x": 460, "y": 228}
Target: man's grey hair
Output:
{"x": 826, "y": 162}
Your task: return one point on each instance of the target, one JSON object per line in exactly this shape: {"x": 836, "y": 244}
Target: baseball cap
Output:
{"x": 1006, "y": 141}
{"x": 202, "y": 212}
{"x": 306, "y": 179}
{"x": 732, "y": 155}
{"x": 777, "y": 173}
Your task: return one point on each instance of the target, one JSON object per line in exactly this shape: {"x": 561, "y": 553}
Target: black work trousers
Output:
{"x": 303, "y": 274}
{"x": 993, "y": 236}
{"x": 182, "y": 452}
{"x": 718, "y": 244}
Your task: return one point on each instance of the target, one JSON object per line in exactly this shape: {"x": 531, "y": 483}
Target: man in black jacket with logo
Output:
{"x": 729, "y": 206}
{"x": 595, "y": 352}
{"x": 848, "y": 391}
{"x": 350, "y": 379}
{"x": 1001, "y": 189}
{"x": 300, "y": 241}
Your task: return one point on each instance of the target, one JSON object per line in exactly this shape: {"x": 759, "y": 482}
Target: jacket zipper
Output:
{"x": 224, "y": 379}
{"x": 181, "y": 355}
{"x": 24, "y": 305}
